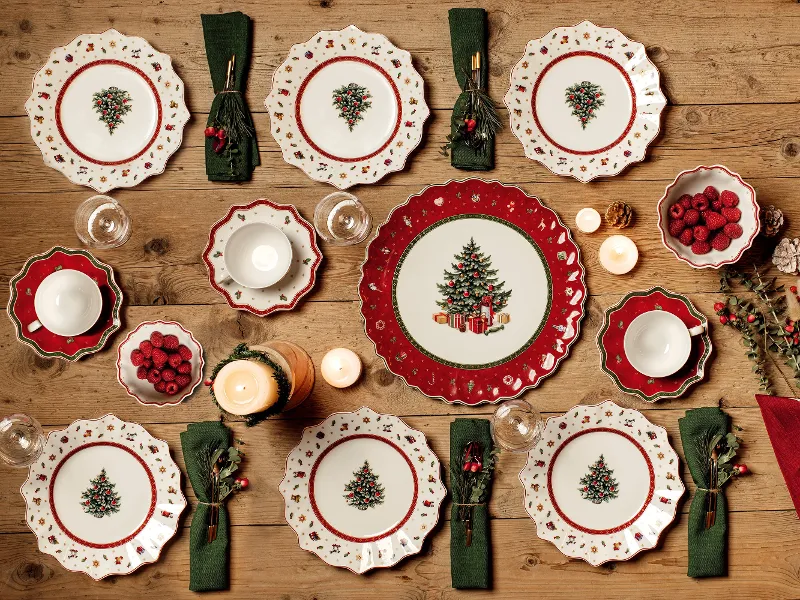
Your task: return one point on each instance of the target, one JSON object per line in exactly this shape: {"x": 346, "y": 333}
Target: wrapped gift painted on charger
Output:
{"x": 440, "y": 318}
{"x": 456, "y": 320}
{"x": 503, "y": 318}
{"x": 478, "y": 324}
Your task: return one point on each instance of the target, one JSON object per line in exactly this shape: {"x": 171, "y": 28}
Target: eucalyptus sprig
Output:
{"x": 472, "y": 478}
{"x": 727, "y": 446}
{"x": 227, "y": 461}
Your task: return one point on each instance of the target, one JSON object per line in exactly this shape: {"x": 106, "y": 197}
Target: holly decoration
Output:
{"x": 364, "y": 491}
{"x": 599, "y": 485}
{"x": 352, "y": 100}
{"x": 584, "y": 98}
{"x": 111, "y": 105}
{"x": 100, "y": 499}
{"x": 472, "y": 278}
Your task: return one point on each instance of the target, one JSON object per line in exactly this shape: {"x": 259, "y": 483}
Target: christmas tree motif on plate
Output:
{"x": 584, "y": 98}
{"x": 352, "y": 100}
{"x": 100, "y": 499}
{"x": 364, "y": 491}
{"x": 111, "y": 105}
{"x": 471, "y": 287}
{"x": 599, "y": 485}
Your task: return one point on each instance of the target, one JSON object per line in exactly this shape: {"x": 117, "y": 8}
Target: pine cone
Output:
{"x": 619, "y": 215}
{"x": 771, "y": 221}
{"x": 787, "y": 255}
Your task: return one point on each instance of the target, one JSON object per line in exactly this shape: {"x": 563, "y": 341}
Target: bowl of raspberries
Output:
{"x": 708, "y": 217}
{"x": 160, "y": 363}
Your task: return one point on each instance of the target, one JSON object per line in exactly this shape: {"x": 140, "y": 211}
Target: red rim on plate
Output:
{"x": 533, "y": 255}
{"x": 610, "y": 343}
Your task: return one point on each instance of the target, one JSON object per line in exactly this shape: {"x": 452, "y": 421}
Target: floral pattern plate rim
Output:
{"x": 646, "y": 509}
{"x": 399, "y": 126}
{"x": 135, "y": 61}
{"x": 306, "y": 258}
{"x": 395, "y": 539}
{"x": 142, "y": 390}
{"x": 155, "y": 522}
{"x": 508, "y": 370}
{"x": 23, "y": 289}
{"x": 612, "y": 355}
{"x": 625, "y": 141}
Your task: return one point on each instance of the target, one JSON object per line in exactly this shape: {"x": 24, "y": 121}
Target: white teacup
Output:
{"x": 257, "y": 255}
{"x": 67, "y": 303}
{"x": 657, "y": 343}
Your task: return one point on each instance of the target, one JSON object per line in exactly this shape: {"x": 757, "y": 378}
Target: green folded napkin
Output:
{"x": 208, "y": 562}
{"x": 470, "y": 567}
{"x": 227, "y": 35}
{"x": 708, "y": 552}
{"x": 468, "y": 35}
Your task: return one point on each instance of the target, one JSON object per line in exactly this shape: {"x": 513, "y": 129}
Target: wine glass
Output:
{"x": 516, "y": 426}
{"x": 21, "y": 440}
{"x": 341, "y": 219}
{"x": 101, "y": 222}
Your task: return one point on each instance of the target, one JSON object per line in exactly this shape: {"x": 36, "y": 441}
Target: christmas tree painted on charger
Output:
{"x": 599, "y": 485}
{"x": 111, "y": 105}
{"x": 100, "y": 499}
{"x": 352, "y": 100}
{"x": 470, "y": 279}
{"x": 584, "y": 98}
{"x": 364, "y": 491}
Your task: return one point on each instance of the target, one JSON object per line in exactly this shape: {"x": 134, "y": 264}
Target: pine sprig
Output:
{"x": 479, "y": 107}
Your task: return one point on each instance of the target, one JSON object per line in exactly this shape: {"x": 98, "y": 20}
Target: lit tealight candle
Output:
{"x": 243, "y": 387}
{"x": 341, "y": 367}
{"x": 588, "y": 220}
{"x": 618, "y": 254}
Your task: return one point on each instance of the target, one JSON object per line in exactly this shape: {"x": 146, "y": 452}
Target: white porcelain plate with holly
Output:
{"x": 347, "y": 107}
{"x": 362, "y": 490}
{"x": 104, "y": 498}
{"x": 107, "y": 110}
{"x": 603, "y": 483}
{"x": 585, "y": 101}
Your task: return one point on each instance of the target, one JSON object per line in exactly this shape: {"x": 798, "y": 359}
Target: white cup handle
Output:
{"x": 697, "y": 330}
{"x": 34, "y": 326}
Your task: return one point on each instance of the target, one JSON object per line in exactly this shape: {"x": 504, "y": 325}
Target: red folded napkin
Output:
{"x": 782, "y": 419}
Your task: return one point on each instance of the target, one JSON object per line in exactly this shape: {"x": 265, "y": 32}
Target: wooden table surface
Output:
{"x": 730, "y": 72}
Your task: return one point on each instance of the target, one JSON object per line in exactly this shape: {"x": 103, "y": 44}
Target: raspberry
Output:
{"x": 157, "y": 339}
{"x": 732, "y": 215}
{"x": 137, "y": 358}
{"x": 183, "y": 380}
{"x": 171, "y": 342}
{"x": 691, "y": 217}
{"x": 700, "y": 202}
{"x": 701, "y": 233}
{"x": 185, "y": 353}
{"x": 729, "y": 198}
{"x": 733, "y": 230}
{"x": 161, "y": 387}
{"x": 168, "y": 375}
{"x": 711, "y": 193}
{"x": 687, "y": 237}
{"x": 185, "y": 368}
{"x": 720, "y": 241}
{"x": 716, "y": 204}
{"x": 146, "y": 347}
{"x": 676, "y": 227}
{"x": 141, "y": 372}
{"x": 174, "y": 360}
{"x": 154, "y": 376}
{"x": 676, "y": 211}
{"x": 172, "y": 388}
{"x": 700, "y": 247}
{"x": 685, "y": 201}
{"x": 147, "y": 363}
{"x": 159, "y": 357}
{"x": 714, "y": 220}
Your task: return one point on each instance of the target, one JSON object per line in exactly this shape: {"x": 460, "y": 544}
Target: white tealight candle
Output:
{"x": 341, "y": 367}
{"x": 244, "y": 387}
{"x": 588, "y": 220}
{"x": 618, "y": 254}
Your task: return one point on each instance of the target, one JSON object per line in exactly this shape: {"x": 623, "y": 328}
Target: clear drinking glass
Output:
{"x": 21, "y": 440}
{"x": 101, "y": 222}
{"x": 341, "y": 219}
{"x": 516, "y": 426}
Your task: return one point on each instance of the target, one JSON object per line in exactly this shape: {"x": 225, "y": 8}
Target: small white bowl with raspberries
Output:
{"x": 160, "y": 363}
{"x": 708, "y": 217}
